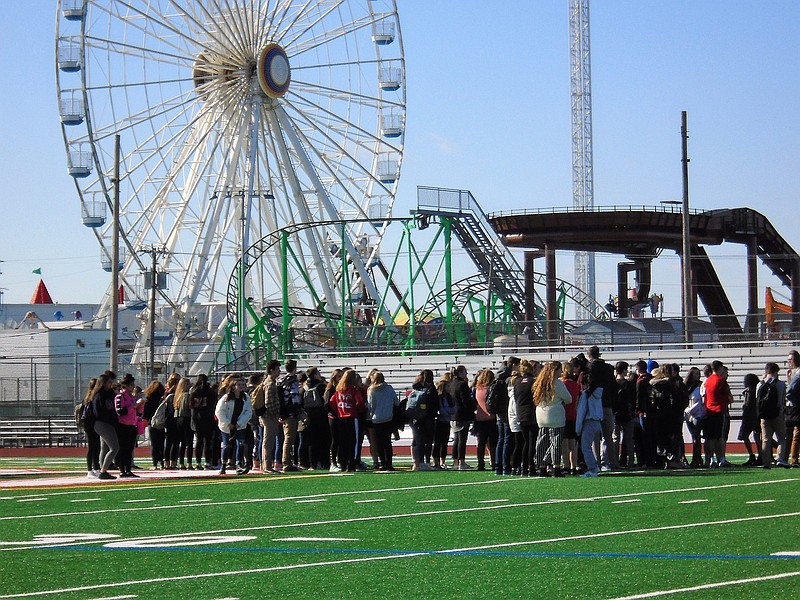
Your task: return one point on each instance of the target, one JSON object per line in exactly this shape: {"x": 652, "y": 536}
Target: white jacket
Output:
{"x": 224, "y": 413}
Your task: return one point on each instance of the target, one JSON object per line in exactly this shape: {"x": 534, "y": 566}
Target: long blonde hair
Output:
{"x": 484, "y": 377}
{"x": 544, "y": 386}
{"x": 181, "y": 394}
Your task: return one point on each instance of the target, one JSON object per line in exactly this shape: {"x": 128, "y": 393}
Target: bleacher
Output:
{"x": 400, "y": 371}
{"x": 34, "y": 432}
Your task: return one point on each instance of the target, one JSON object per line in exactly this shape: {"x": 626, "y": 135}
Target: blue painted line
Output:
{"x": 485, "y": 553}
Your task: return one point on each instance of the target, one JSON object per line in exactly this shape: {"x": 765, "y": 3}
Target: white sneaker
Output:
{"x": 92, "y": 474}
{"x": 334, "y": 469}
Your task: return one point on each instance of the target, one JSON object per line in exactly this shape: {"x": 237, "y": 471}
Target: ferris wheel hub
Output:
{"x": 274, "y": 73}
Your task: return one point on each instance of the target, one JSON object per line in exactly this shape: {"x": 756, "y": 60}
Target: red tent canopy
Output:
{"x": 41, "y": 295}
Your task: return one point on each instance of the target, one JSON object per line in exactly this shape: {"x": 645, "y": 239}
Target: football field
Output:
{"x": 722, "y": 533}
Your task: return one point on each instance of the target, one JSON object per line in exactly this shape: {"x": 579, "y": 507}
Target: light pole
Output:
{"x": 687, "y": 295}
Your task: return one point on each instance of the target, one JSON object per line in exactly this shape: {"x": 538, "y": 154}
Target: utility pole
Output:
{"x": 688, "y": 292}
{"x": 154, "y": 250}
{"x": 114, "y": 318}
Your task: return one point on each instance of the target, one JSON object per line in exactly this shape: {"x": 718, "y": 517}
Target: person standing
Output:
{"x": 182, "y": 407}
{"x": 441, "y": 431}
{"x": 347, "y": 402}
{"x": 314, "y": 439}
{"x": 588, "y": 423}
{"x": 85, "y": 418}
{"x": 526, "y": 415}
{"x": 128, "y": 408}
{"x": 603, "y": 376}
{"x": 458, "y": 393}
{"x": 505, "y": 437}
{"x": 381, "y": 401}
{"x": 290, "y": 410}
{"x": 550, "y": 395}
{"x": 569, "y": 444}
{"x": 717, "y": 399}
{"x": 203, "y": 402}
{"x": 106, "y": 421}
{"x": 694, "y": 414}
{"x": 771, "y": 394}
{"x": 751, "y": 424}
{"x": 423, "y": 426}
{"x": 270, "y": 416}
{"x": 792, "y": 410}
{"x": 624, "y": 411}
{"x": 154, "y": 397}
{"x": 485, "y": 420}
{"x": 233, "y": 413}
{"x": 171, "y": 440}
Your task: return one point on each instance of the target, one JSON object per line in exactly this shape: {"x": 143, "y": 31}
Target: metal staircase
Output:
{"x": 494, "y": 261}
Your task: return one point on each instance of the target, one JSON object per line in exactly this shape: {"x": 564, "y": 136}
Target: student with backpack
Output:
{"x": 422, "y": 417}
{"x": 156, "y": 415}
{"x": 106, "y": 421}
{"x": 441, "y": 431}
{"x": 771, "y": 394}
{"x": 315, "y": 437}
{"x": 85, "y": 420}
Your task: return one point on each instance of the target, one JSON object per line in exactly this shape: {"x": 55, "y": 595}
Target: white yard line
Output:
{"x": 626, "y": 501}
{"x": 710, "y": 586}
{"x": 695, "y": 501}
{"x": 760, "y": 502}
{"x": 252, "y": 500}
{"x": 370, "y": 501}
{"x": 338, "y": 563}
{"x": 140, "y": 500}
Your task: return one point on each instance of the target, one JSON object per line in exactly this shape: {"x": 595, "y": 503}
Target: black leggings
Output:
{"x": 93, "y": 448}
{"x": 185, "y": 438}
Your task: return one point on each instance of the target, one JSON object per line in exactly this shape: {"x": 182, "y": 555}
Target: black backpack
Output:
{"x": 497, "y": 397}
{"x": 768, "y": 401}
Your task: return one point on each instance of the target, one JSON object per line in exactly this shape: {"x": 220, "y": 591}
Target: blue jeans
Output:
{"x": 590, "y": 432}
{"x": 502, "y": 456}
{"x": 227, "y": 446}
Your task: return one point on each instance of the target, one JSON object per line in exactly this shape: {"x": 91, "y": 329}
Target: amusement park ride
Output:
{"x": 262, "y": 144}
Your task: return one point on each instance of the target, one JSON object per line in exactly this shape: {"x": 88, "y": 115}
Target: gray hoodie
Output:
{"x": 381, "y": 400}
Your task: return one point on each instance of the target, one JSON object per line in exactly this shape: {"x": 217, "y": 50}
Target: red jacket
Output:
{"x": 348, "y": 404}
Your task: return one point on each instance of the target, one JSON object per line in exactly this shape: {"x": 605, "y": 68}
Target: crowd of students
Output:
{"x": 582, "y": 416}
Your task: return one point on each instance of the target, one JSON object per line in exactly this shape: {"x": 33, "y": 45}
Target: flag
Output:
{"x": 38, "y": 271}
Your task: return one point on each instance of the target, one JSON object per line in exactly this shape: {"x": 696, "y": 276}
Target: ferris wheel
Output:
{"x": 236, "y": 118}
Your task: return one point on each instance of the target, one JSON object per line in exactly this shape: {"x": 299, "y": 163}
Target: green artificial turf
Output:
{"x": 409, "y": 535}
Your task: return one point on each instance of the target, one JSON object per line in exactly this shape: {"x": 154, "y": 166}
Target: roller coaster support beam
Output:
{"x": 751, "y": 323}
{"x": 551, "y": 284}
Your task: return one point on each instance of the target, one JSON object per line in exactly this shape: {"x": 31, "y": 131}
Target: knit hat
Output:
{"x": 651, "y": 364}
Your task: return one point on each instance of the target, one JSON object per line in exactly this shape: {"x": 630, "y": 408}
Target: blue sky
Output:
{"x": 488, "y": 111}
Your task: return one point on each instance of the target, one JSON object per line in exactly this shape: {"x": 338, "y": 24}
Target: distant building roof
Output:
{"x": 41, "y": 295}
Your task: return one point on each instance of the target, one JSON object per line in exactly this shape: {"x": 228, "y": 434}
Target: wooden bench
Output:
{"x": 33, "y": 432}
